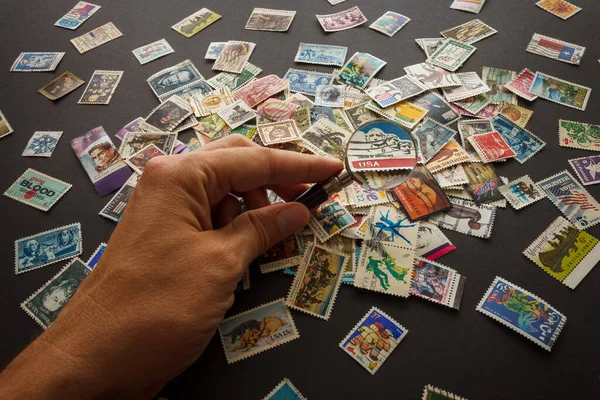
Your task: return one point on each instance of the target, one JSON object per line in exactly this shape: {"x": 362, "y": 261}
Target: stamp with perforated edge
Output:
{"x": 521, "y": 84}
{"x": 36, "y": 61}
{"x": 389, "y": 23}
{"x": 405, "y": 113}
{"x": 432, "y": 136}
{"x": 329, "y": 219}
{"x": 555, "y": 49}
{"x": 323, "y": 54}
{"x": 278, "y": 132}
{"x": 523, "y": 312}
{"x": 284, "y": 254}
{"x": 560, "y": 91}
{"x": 437, "y": 283}
{"x": 254, "y": 331}
{"x": 521, "y": 192}
{"x": 306, "y": 82}
{"x": 450, "y": 155}
{"x": 96, "y": 37}
{"x": 360, "y": 69}
{"x": 451, "y": 55}
{"x": 266, "y": 19}
{"x": 433, "y": 393}
{"x": 342, "y": 20}
{"x": 96, "y": 255}
{"x": 372, "y": 340}
{"x": 470, "y": 32}
{"x": 101, "y": 87}
{"x": 285, "y": 390}
{"x": 431, "y": 242}
{"x": 37, "y": 190}
{"x": 42, "y": 144}
{"x": 578, "y": 135}
{"x": 388, "y": 224}
{"x": 587, "y": 169}
{"x": 167, "y": 115}
{"x": 491, "y": 147}
{"x": 467, "y": 217}
{"x": 196, "y": 22}
{"x": 560, "y": 8}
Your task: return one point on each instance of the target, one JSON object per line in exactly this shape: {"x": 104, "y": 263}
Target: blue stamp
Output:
{"x": 523, "y": 312}
{"x": 284, "y": 391}
{"x": 170, "y": 79}
{"x": 306, "y": 82}
{"x": 37, "y": 61}
{"x": 77, "y": 15}
{"x": 587, "y": 169}
{"x": 91, "y": 263}
{"x": 323, "y": 54}
{"x": 47, "y": 247}
{"x": 524, "y": 143}
{"x": 316, "y": 113}
{"x": 373, "y": 339}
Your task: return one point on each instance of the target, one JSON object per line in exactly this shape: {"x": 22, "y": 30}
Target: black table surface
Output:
{"x": 461, "y": 351}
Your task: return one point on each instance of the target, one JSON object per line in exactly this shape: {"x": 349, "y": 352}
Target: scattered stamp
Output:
{"x": 373, "y": 339}
{"x": 387, "y": 224}
{"x": 431, "y": 242}
{"x": 521, "y": 84}
{"x": 491, "y": 147}
{"x": 197, "y": 88}
{"x": 429, "y": 45}
{"x": 257, "y": 91}
{"x": 61, "y": 85}
{"x": 114, "y": 209}
{"x": 96, "y": 37}
{"x": 42, "y": 144}
{"x": 196, "y": 22}
{"x": 306, "y": 82}
{"x": 560, "y": 91}
{"x": 587, "y": 169}
{"x": 433, "y": 77}
{"x": 5, "y": 128}
{"x": 560, "y": 8}
{"x": 565, "y": 192}
{"x": 432, "y": 393}
{"x": 284, "y": 254}
{"x": 524, "y": 143}
{"x": 522, "y": 192}
{"x": 236, "y": 114}
{"x": 301, "y": 117}
{"x": 564, "y": 252}
{"x": 168, "y": 80}
{"x": 209, "y": 103}
{"x": 396, "y": 90}
{"x": 437, "y": 283}
{"x": 329, "y": 219}
{"x": 578, "y": 135}
{"x": 473, "y": 104}
{"x": 256, "y": 330}
{"x": 265, "y": 19}
{"x": 278, "y": 132}
{"x": 77, "y": 15}
{"x": 95, "y": 257}
{"x": 517, "y": 114}
{"x": 468, "y": 128}
{"x": 437, "y": 108}
{"x": 326, "y": 139}
{"x": 448, "y": 156}
{"x": 48, "y": 247}
{"x": 285, "y": 390}
{"x": 555, "y": 49}
{"x": 139, "y": 160}
{"x": 101, "y": 87}
{"x": 35, "y": 61}
{"x": 167, "y": 115}
{"x": 472, "y": 6}
{"x": 135, "y": 141}
{"x": 452, "y": 176}
{"x": 214, "y": 49}
{"x": 317, "y": 282}
{"x": 210, "y": 126}
{"x": 495, "y": 79}
{"x": 277, "y": 110}
{"x": 467, "y": 217}
{"x": 37, "y": 190}
{"x": 321, "y": 112}
{"x": 363, "y": 196}
{"x": 235, "y": 81}
{"x": 432, "y": 136}
{"x": 323, "y": 54}
{"x": 133, "y": 126}
{"x": 472, "y": 85}
{"x": 152, "y": 51}
{"x": 470, "y": 32}
{"x": 405, "y": 113}
{"x": 451, "y": 55}
{"x": 389, "y": 23}
{"x": 360, "y": 115}
{"x": 330, "y": 95}
{"x": 47, "y": 302}
{"x": 342, "y": 20}
{"x": 234, "y": 56}
{"x": 522, "y": 312}
{"x": 360, "y": 69}
{"x": 483, "y": 182}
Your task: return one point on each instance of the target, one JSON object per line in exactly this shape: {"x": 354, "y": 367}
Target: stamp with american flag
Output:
{"x": 556, "y": 49}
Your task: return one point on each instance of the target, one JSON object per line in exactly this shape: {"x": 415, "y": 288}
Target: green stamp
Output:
{"x": 560, "y": 91}
{"x": 451, "y": 54}
{"x": 37, "y": 190}
{"x": 579, "y": 135}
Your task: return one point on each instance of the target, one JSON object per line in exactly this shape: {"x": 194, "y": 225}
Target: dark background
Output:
{"x": 461, "y": 351}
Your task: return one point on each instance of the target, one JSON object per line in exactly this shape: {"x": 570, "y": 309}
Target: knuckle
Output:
{"x": 238, "y": 140}
{"x": 158, "y": 168}
{"x": 263, "y": 238}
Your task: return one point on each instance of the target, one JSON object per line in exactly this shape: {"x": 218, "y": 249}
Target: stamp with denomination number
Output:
{"x": 360, "y": 69}
{"x": 523, "y": 312}
{"x": 77, "y": 15}
{"x": 431, "y": 137}
{"x": 470, "y": 32}
{"x": 96, "y": 37}
{"x": 42, "y": 144}
{"x": 101, "y": 87}
{"x": 524, "y": 143}
{"x": 169, "y": 80}
{"x": 560, "y": 91}
{"x": 452, "y": 176}
{"x": 37, "y": 190}
{"x": 323, "y": 54}
{"x": 278, "y": 132}
{"x": 342, "y": 20}
{"x": 330, "y": 95}
{"x": 483, "y": 182}
{"x": 560, "y": 8}
{"x": 285, "y": 390}
{"x": 209, "y": 103}
{"x": 388, "y": 224}
{"x": 431, "y": 242}
{"x": 35, "y": 61}
{"x": 167, "y": 116}
{"x": 306, "y": 82}
{"x": 433, "y": 77}
{"x": 451, "y": 54}
{"x": 396, "y": 90}
{"x": 326, "y": 139}
{"x": 448, "y": 156}
{"x": 115, "y": 207}
{"x": 578, "y": 135}
{"x": 389, "y": 23}
{"x": 472, "y": 85}
{"x": 555, "y": 49}
{"x": 437, "y": 283}
{"x": 152, "y": 51}
{"x": 234, "y": 56}
{"x": 522, "y": 192}
{"x": 587, "y": 169}
{"x": 517, "y": 114}
{"x": 265, "y": 19}
{"x": 491, "y": 147}
{"x": 468, "y": 128}
{"x": 521, "y": 84}
{"x": 196, "y": 22}
{"x": 235, "y": 81}
{"x": 284, "y": 254}
{"x": 61, "y": 85}
{"x": 257, "y": 91}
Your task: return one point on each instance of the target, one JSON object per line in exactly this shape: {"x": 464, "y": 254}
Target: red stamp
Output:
{"x": 521, "y": 84}
{"x": 261, "y": 89}
{"x": 491, "y": 146}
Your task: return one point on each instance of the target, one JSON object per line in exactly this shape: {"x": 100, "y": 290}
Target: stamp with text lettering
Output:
{"x": 77, "y": 15}
{"x": 587, "y": 169}
{"x": 61, "y": 85}
{"x": 389, "y": 23}
{"x": 278, "y": 132}
{"x": 560, "y": 8}
{"x": 451, "y": 55}
{"x": 470, "y": 32}
{"x": 306, "y": 82}
{"x": 521, "y": 84}
{"x": 96, "y": 37}
{"x": 169, "y": 80}
{"x": 265, "y": 19}
{"x": 522, "y": 192}
{"x": 101, "y": 87}
{"x": 560, "y": 91}
{"x": 437, "y": 283}
{"x": 37, "y": 190}
{"x": 524, "y": 143}
{"x": 323, "y": 54}
{"x": 556, "y": 49}
{"x": 360, "y": 69}
{"x": 234, "y": 56}
{"x": 35, "y": 61}
{"x": 578, "y": 135}
{"x": 467, "y": 217}
{"x": 152, "y": 51}
{"x": 196, "y": 22}
{"x": 342, "y": 20}
{"x": 329, "y": 219}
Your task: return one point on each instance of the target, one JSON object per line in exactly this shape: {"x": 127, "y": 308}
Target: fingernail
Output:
{"x": 292, "y": 217}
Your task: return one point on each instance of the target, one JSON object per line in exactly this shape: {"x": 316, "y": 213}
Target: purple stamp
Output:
{"x": 587, "y": 169}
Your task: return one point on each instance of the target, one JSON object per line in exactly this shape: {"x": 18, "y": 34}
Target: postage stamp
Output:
{"x": 135, "y": 141}
{"x": 307, "y": 81}
{"x": 77, "y": 15}
{"x": 47, "y": 302}
{"x": 194, "y": 23}
{"x": 467, "y": 217}
{"x": 396, "y": 90}
{"x": 522, "y": 312}
{"x": 96, "y": 37}
{"x": 37, "y": 190}
{"x": 432, "y": 136}
{"x": 101, "y": 87}
{"x": 495, "y": 79}
{"x": 214, "y": 49}
{"x": 61, "y": 85}
{"x": 360, "y": 69}
{"x": 373, "y": 339}
{"x": 114, "y": 209}
{"x": 580, "y": 208}
{"x": 95, "y": 257}
{"x": 101, "y": 160}
{"x": 437, "y": 283}
{"x": 152, "y": 51}
{"x": 521, "y": 84}
{"x": 133, "y": 126}
{"x": 587, "y": 169}
{"x": 405, "y": 113}
{"x": 235, "y": 81}
{"x": 256, "y": 330}
{"x": 48, "y": 247}
{"x": 429, "y": 45}
{"x": 555, "y": 49}
{"x": 448, "y": 156}
{"x": 360, "y": 115}
{"x": 473, "y": 104}
{"x": 363, "y": 196}
{"x": 491, "y": 147}
{"x": 35, "y": 61}
{"x": 560, "y": 91}
{"x": 389, "y": 23}
{"x": 578, "y": 135}
{"x": 265, "y": 19}
{"x": 470, "y": 32}
{"x": 330, "y": 95}
{"x": 209, "y": 103}
{"x": 170, "y": 79}
{"x": 284, "y": 254}
{"x": 257, "y": 91}
{"x": 433, "y": 393}
{"x": 560, "y": 8}
{"x": 196, "y": 88}
{"x": 472, "y": 6}
{"x": 432, "y": 77}
{"x": 431, "y": 242}
{"x": 387, "y": 224}
{"x": 210, "y": 127}
{"x": 468, "y": 128}
{"x": 321, "y": 112}
{"x": 317, "y": 282}
{"x": 236, "y": 114}
{"x": 522, "y": 192}
{"x": 326, "y": 139}
{"x": 167, "y": 115}
{"x": 471, "y": 86}
{"x": 451, "y": 54}
{"x": 524, "y": 143}
{"x": 564, "y": 252}
{"x": 483, "y": 182}
{"x": 452, "y": 176}
{"x": 437, "y": 108}
{"x": 301, "y": 117}
{"x": 517, "y": 114}
{"x": 234, "y": 56}
{"x": 5, "y": 128}
{"x": 277, "y": 110}
{"x": 278, "y": 132}
{"x": 342, "y": 20}
{"x": 139, "y": 160}
{"x": 42, "y": 144}
{"x": 329, "y": 219}
{"x": 285, "y": 390}
{"x": 323, "y": 54}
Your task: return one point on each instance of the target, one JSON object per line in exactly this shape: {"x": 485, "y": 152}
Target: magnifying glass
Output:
{"x": 380, "y": 155}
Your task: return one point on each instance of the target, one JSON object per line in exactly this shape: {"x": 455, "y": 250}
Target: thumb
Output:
{"x": 255, "y": 231}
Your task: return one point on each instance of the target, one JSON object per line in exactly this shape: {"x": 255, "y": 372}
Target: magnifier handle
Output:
{"x": 313, "y": 197}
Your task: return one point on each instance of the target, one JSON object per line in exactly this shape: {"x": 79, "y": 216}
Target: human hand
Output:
{"x": 168, "y": 274}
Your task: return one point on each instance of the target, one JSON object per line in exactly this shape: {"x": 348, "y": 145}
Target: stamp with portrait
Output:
{"x": 77, "y": 15}
{"x": 278, "y": 132}
{"x": 560, "y": 8}
{"x": 432, "y": 137}
{"x": 48, "y": 247}
{"x": 196, "y": 22}
{"x": 451, "y": 55}
{"x": 285, "y": 390}
{"x": 168, "y": 80}
{"x": 433, "y": 393}
{"x": 323, "y": 54}
{"x": 342, "y": 20}
{"x": 330, "y": 95}
{"x": 236, "y": 114}
{"x": 472, "y": 6}
{"x": 396, "y": 90}
{"x": 587, "y": 169}
{"x": 167, "y": 116}
{"x": 235, "y": 81}
{"x": 139, "y": 160}
{"x": 470, "y": 32}
{"x": 42, "y": 144}
{"x": 257, "y": 91}
{"x": 466, "y": 217}
{"x": 101, "y": 87}
{"x": 564, "y": 252}
{"x": 484, "y": 182}
{"x": 556, "y": 49}
{"x": 306, "y": 82}
{"x": 360, "y": 69}
{"x": 35, "y": 61}
{"x": 5, "y": 128}
{"x": 517, "y": 114}
{"x": 37, "y": 190}
{"x": 472, "y": 85}
{"x": 152, "y": 51}
{"x": 256, "y": 330}
{"x": 578, "y": 135}
{"x": 448, "y": 156}
{"x": 329, "y": 219}
{"x": 115, "y": 207}
{"x": 48, "y": 301}
{"x": 265, "y": 19}
{"x": 317, "y": 281}
{"x": 373, "y": 339}
{"x": 96, "y": 37}
{"x": 135, "y": 141}
{"x": 284, "y": 254}
{"x": 277, "y": 110}
{"x": 431, "y": 242}
{"x": 524, "y": 143}
{"x": 318, "y": 113}
{"x": 521, "y": 84}
{"x": 206, "y": 104}
{"x": 521, "y": 192}
{"x": 432, "y": 77}
{"x": 491, "y": 147}
{"x": 234, "y": 56}
{"x": 523, "y": 312}
{"x": 96, "y": 255}
{"x": 133, "y": 126}
{"x": 389, "y": 23}
{"x": 61, "y": 85}
{"x": 326, "y": 139}
{"x": 437, "y": 283}
{"x": 560, "y": 91}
